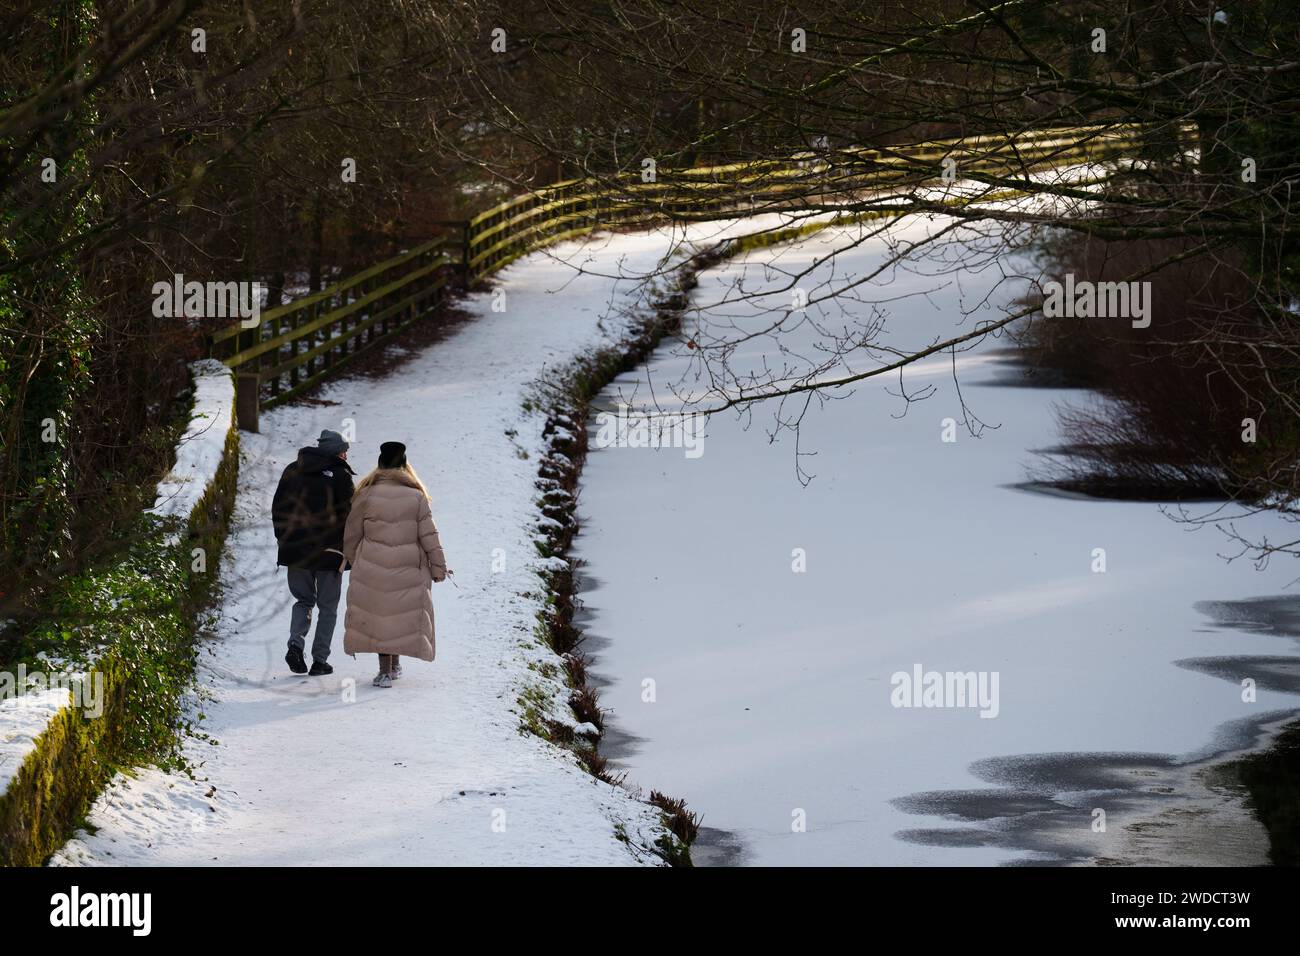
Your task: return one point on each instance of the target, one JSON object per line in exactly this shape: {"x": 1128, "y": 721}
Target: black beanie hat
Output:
{"x": 392, "y": 454}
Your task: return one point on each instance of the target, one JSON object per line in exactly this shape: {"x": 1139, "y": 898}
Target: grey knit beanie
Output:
{"x": 331, "y": 443}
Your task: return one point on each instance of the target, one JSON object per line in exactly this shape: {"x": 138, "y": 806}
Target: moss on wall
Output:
{"x": 145, "y": 656}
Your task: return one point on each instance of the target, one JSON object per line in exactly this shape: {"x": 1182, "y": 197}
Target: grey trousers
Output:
{"x": 314, "y": 589}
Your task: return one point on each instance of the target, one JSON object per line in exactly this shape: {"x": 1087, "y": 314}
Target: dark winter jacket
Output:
{"x": 310, "y": 510}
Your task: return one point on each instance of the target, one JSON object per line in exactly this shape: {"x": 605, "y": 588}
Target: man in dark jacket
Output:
{"x": 309, "y": 511}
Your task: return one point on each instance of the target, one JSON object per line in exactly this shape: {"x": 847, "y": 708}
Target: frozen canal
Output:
{"x": 746, "y": 628}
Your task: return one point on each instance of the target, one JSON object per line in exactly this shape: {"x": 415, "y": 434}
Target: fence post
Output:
{"x": 462, "y": 267}
{"x": 295, "y": 320}
{"x": 247, "y": 387}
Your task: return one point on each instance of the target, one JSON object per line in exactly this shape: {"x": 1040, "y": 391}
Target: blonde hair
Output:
{"x": 407, "y": 477}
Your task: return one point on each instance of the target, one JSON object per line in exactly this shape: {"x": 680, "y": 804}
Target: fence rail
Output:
{"x": 527, "y": 222}
{"x": 294, "y": 346}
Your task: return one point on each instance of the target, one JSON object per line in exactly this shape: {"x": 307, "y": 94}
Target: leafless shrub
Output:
{"x": 1176, "y": 395}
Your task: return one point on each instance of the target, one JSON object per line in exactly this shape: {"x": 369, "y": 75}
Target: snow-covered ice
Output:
{"x": 772, "y": 687}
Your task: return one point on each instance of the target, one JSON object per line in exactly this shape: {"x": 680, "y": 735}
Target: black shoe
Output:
{"x": 295, "y": 661}
{"x": 319, "y": 669}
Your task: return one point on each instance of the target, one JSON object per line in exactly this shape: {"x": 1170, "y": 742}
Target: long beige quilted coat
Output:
{"x": 392, "y": 544}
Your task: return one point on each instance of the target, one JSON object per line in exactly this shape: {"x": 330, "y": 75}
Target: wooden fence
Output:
{"x": 294, "y": 346}
{"x": 291, "y": 347}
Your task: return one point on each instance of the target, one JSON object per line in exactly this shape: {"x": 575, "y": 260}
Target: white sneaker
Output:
{"x": 382, "y": 680}
{"x": 395, "y": 671}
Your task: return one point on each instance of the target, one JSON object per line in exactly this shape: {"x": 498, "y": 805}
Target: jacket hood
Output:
{"x": 396, "y": 475}
{"x": 312, "y": 461}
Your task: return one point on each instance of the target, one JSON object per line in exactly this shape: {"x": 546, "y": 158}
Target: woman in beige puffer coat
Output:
{"x": 392, "y": 544}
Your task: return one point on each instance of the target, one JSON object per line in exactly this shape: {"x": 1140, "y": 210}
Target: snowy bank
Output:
{"x": 133, "y": 644}
{"x": 202, "y": 447}
{"x": 22, "y": 720}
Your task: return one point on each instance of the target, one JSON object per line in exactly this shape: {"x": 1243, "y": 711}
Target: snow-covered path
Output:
{"x": 436, "y": 770}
